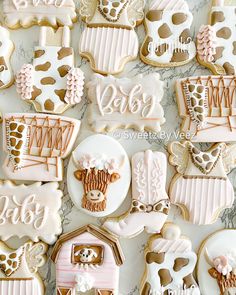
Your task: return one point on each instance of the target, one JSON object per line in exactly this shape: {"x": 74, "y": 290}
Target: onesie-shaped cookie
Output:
{"x": 150, "y": 203}
{"x": 170, "y": 263}
{"x": 19, "y": 269}
{"x": 201, "y": 187}
{"x": 216, "y": 42}
{"x": 52, "y": 84}
{"x": 6, "y": 50}
{"x": 109, "y": 40}
{"x": 168, "y": 42}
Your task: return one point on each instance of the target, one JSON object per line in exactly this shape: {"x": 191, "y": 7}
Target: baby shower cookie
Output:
{"x": 216, "y": 268}
{"x": 26, "y": 13}
{"x": 207, "y": 107}
{"x": 216, "y": 42}
{"x": 126, "y": 103}
{"x": 109, "y": 40}
{"x": 201, "y": 187}
{"x": 52, "y": 83}
{"x": 6, "y": 50}
{"x": 19, "y": 269}
{"x": 150, "y": 203}
{"x": 170, "y": 262}
{"x": 98, "y": 175}
{"x": 87, "y": 258}
{"x": 36, "y": 145}
{"x": 168, "y": 41}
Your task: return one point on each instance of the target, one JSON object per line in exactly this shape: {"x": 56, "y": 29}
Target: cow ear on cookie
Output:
{"x": 115, "y": 177}
{"x": 78, "y": 174}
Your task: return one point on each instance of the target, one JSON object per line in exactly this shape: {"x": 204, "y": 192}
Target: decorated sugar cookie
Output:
{"x": 216, "y": 42}
{"x": 36, "y": 145}
{"x": 25, "y": 13}
{"x": 52, "y": 84}
{"x": 207, "y": 107}
{"x": 98, "y": 175}
{"x": 168, "y": 41}
{"x": 6, "y": 50}
{"x": 216, "y": 269}
{"x": 201, "y": 187}
{"x": 128, "y": 103}
{"x": 109, "y": 40}
{"x": 170, "y": 263}
{"x": 19, "y": 269}
{"x": 87, "y": 258}
{"x": 150, "y": 203}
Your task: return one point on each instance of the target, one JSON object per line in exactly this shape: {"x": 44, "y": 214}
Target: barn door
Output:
{"x": 64, "y": 291}
{"x": 104, "y": 292}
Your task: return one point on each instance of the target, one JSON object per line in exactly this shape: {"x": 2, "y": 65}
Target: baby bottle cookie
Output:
{"x": 109, "y": 40}
{"x": 52, "y": 83}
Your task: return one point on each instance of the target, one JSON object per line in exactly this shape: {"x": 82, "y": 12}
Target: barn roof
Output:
{"x": 107, "y": 238}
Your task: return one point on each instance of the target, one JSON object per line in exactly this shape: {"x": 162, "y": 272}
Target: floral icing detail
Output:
{"x": 84, "y": 282}
{"x": 206, "y": 43}
{"x": 222, "y": 265}
{"x": 75, "y": 86}
{"x": 24, "y": 81}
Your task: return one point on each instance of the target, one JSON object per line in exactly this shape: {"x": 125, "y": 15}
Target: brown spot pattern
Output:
{"x": 179, "y": 55}
{"x": 217, "y": 17}
{"x": 164, "y": 31}
{"x": 154, "y": 15}
{"x": 49, "y": 105}
{"x": 39, "y": 53}
{"x": 219, "y": 53}
{"x": 44, "y": 67}
{"x": 185, "y": 37}
{"x": 179, "y": 18}
{"x": 64, "y": 52}
{"x": 180, "y": 263}
{"x": 48, "y": 81}
{"x": 145, "y": 47}
{"x": 63, "y": 70}
{"x": 155, "y": 257}
{"x": 224, "y": 33}
{"x": 161, "y": 49}
{"x": 61, "y": 94}
{"x": 165, "y": 277}
{"x": 229, "y": 69}
{"x": 36, "y": 92}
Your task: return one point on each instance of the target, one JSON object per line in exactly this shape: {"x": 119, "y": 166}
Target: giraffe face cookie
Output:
{"x": 201, "y": 187}
{"x": 52, "y": 83}
{"x": 168, "y": 41}
{"x": 216, "y": 269}
{"x": 129, "y": 103}
{"x": 98, "y": 175}
{"x": 25, "y": 13}
{"x": 150, "y": 203}
{"x": 109, "y": 40}
{"x": 216, "y": 42}
{"x": 170, "y": 263}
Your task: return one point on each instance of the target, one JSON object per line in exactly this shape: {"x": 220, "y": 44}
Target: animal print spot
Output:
{"x": 36, "y": 92}
{"x": 12, "y": 141}
{"x": 16, "y": 134}
{"x": 224, "y": 33}
{"x": 145, "y": 47}
{"x": 206, "y": 157}
{"x": 179, "y": 18}
{"x": 219, "y": 53}
{"x": 105, "y": 2}
{"x": 200, "y": 118}
{"x": 191, "y": 88}
{"x": 44, "y": 67}
{"x": 196, "y": 151}
{"x": 48, "y": 81}
{"x": 197, "y": 95}
{"x": 155, "y": 257}
{"x": 185, "y": 37}
{"x": 61, "y": 94}
{"x": 105, "y": 10}
{"x": 15, "y": 153}
{"x": 214, "y": 152}
{"x": 193, "y": 101}
{"x": 179, "y": 55}
{"x": 17, "y": 160}
{"x": 234, "y": 45}
{"x": 229, "y": 68}
{"x": 189, "y": 281}
{"x": 147, "y": 289}
{"x": 199, "y": 159}
{"x": 64, "y": 52}
{"x": 209, "y": 166}
{"x": 12, "y": 126}
{"x": 198, "y": 110}
{"x": 115, "y": 4}
{"x": 9, "y": 262}
{"x": 200, "y": 89}
{"x": 154, "y": 15}
{"x": 39, "y": 53}
{"x": 164, "y": 31}
{"x": 63, "y": 70}
{"x": 21, "y": 128}
{"x": 161, "y": 49}
{"x": 14, "y": 265}
{"x": 12, "y": 255}
{"x": 49, "y": 105}
{"x": 2, "y": 257}
{"x": 217, "y": 17}
{"x": 113, "y": 12}
{"x": 165, "y": 277}
{"x": 180, "y": 263}
{"x": 19, "y": 144}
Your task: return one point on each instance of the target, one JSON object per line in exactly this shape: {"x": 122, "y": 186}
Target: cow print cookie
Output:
{"x": 216, "y": 269}
{"x": 168, "y": 41}
{"x": 98, "y": 175}
{"x": 52, "y": 83}
{"x": 216, "y": 42}
{"x": 170, "y": 263}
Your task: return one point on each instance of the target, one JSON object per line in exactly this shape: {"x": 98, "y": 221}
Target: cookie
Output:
{"x": 170, "y": 262}
{"x": 26, "y": 13}
{"x": 19, "y": 269}
{"x": 98, "y": 175}
{"x": 52, "y": 83}
{"x": 216, "y": 269}
{"x": 216, "y": 42}
{"x": 87, "y": 258}
{"x": 36, "y": 145}
{"x": 168, "y": 41}
{"x": 6, "y": 50}
{"x": 150, "y": 203}
{"x": 126, "y": 103}
{"x": 201, "y": 187}
{"x": 109, "y": 40}
{"x": 206, "y": 106}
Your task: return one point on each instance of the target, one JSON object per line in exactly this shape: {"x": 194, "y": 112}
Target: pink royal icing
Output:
{"x": 206, "y": 43}
{"x": 24, "y": 81}
{"x": 75, "y": 86}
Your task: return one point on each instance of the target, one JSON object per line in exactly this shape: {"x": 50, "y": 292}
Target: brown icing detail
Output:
{"x": 113, "y": 12}
{"x": 2, "y": 257}
{"x": 39, "y": 53}
{"x": 161, "y": 49}
{"x": 219, "y": 53}
{"x": 179, "y": 55}
{"x": 146, "y": 289}
{"x": 217, "y": 17}
{"x": 154, "y": 15}
{"x": 21, "y": 128}
{"x": 10, "y": 264}
{"x": 224, "y": 33}
{"x": 60, "y": 93}
{"x": 36, "y": 92}
{"x": 12, "y": 141}
{"x": 12, "y": 126}
{"x": 16, "y": 134}
{"x": 165, "y": 277}
{"x": 179, "y": 18}
{"x": 48, "y": 81}
{"x": 164, "y": 31}
{"x": 13, "y": 255}
{"x": 49, "y": 105}
{"x": 115, "y": 4}
{"x": 185, "y": 37}
{"x": 234, "y": 45}
{"x": 155, "y": 257}
{"x": 64, "y": 291}
{"x": 189, "y": 281}
{"x": 64, "y": 52}
{"x": 63, "y": 70}
{"x": 191, "y": 87}
{"x": 224, "y": 282}
{"x": 180, "y": 263}
{"x": 44, "y": 67}
{"x": 229, "y": 69}
{"x": 15, "y": 153}
{"x": 145, "y": 47}
{"x": 161, "y": 206}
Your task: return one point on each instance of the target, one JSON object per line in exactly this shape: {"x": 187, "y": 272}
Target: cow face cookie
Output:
{"x": 52, "y": 84}
{"x": 150, "y": 203}
{"x": 98, "y": 175}
{"x": 170, "y": 262}
{"x": 109, "y": 40}
{"x": 84, "y": 259}
{"x": 128, "y": 103}
{"x": 201, "y": 187}
{"x": 168, "y": 42}
{"x": 216, "y": 42}
{"x": 216, "y": 269}
{"x": 19, "y": 269}
{"x": 25, "y": 13}
{"x": 36, "y": 145}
